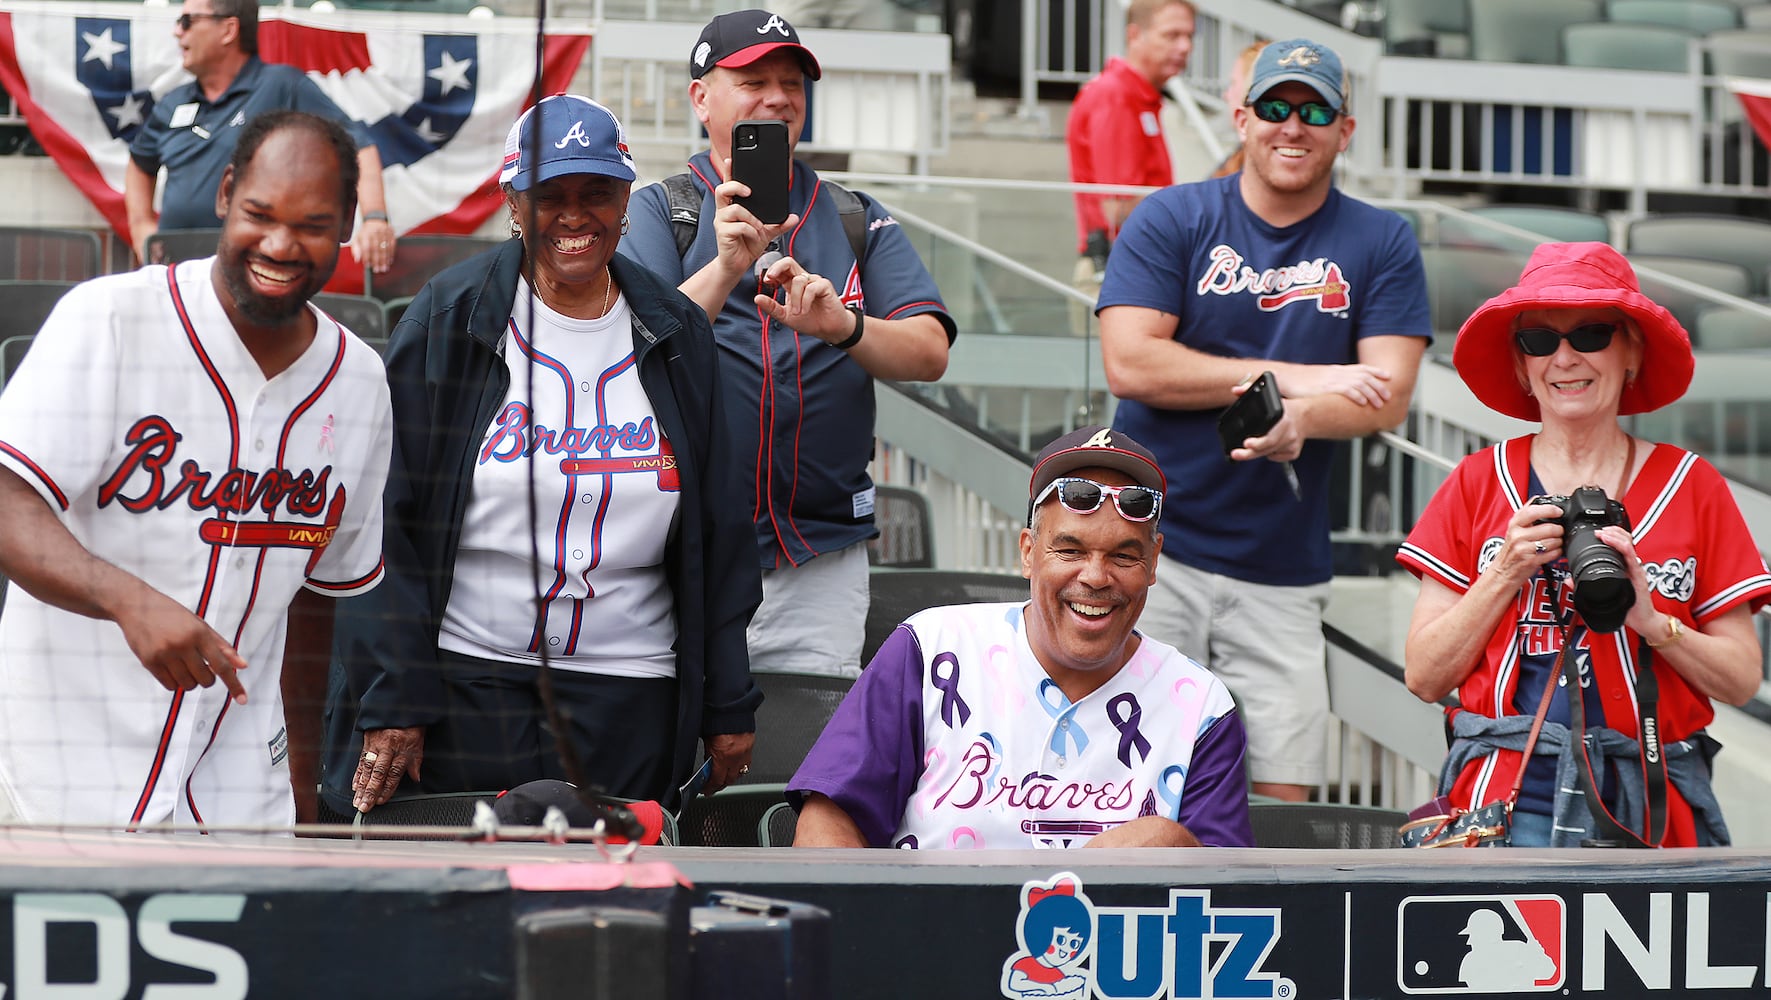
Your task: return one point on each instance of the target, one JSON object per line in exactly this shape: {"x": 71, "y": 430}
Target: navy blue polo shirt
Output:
{"x": 802, "y": 411}
{"x": 195, "y": 145}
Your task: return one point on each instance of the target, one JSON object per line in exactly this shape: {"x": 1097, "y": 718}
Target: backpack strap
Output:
{"x": 685, "y": 213}
{"x": 854, "y": 219}
{"x": 685, "y": 209}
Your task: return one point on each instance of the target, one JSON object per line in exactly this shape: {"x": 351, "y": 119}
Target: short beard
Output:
{"x": 255, "y": 308}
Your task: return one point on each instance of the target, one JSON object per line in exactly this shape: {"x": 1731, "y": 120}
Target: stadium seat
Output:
{"x": 1650, "y": 47}
{"x": 794, "y": 710}
{"x": 173, "y": 245}
{"x": 905, "y": 531}
{"x": 778, "y": 825}
{"x": 1742, "y": 52}
{"x": 1712, "y": 237}
{"x": 360, "y": 314}
{"x": 1324, "y": 825}
{"x": 449, "y": 810}
{"x": 1428, "y": 27}
{"x": 1715, "y": 275}
{"x": 1756, "y": 16}
{"x": 1700, "y": 16}
{"x": 1461, "y": 278}
{"x": 418, "y": 259}
{"x": 1723, "y": 328}
{"x": 28, "y": 304}
{"x": 1525, "y": 31}
{"x": 31, "y": 254}
{"x": 730, "y": 817}
{"x": 1552, "y": 223}
{"x": 898, "y": 594}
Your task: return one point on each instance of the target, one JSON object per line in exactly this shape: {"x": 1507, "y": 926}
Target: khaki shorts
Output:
{"x": 813, "y": 617}
{"x": 1264, "y": 642}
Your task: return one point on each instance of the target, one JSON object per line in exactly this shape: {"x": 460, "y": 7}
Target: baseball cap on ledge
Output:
{"x": 744, "y": 36}
{"x": 577, "y": 136}
{"x": 1096, "y": 447}
{"x": 1309, "y": 63}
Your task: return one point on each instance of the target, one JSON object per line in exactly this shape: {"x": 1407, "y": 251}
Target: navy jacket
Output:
{"x": 448, "y": 383}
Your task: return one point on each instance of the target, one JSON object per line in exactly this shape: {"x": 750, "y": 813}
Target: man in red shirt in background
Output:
{"x": 1115, "y": 130}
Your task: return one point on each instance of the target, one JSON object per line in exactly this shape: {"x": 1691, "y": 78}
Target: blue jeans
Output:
{"x": 1531, "y": 829}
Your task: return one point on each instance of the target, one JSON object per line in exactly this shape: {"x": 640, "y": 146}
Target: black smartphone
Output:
{"x": 1252, "y": 414}
{"x": 762, "y": 161}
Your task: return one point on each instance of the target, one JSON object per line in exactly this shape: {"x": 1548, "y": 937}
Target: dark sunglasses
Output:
{"x": 1541, "y": 342}
{"x": 1084, "y": 496}
{"x": 1274, "y": 110}
{"x": 185, "y": 21}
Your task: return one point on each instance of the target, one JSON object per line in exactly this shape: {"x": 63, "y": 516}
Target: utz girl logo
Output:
{"x": 1072, "y": 950}
{"x": 1056, "y": 931}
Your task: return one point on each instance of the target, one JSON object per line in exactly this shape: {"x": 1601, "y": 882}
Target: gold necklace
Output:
{"x": 608, "y": 286}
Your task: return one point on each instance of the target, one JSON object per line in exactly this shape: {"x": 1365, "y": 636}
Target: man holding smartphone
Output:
{"x": 1209, "y": 285}
{"x": 807, "y": 311}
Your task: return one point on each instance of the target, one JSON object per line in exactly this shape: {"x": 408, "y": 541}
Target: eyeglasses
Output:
{"x": 185, "y": 21}
{"x": 1541, "y": 342}
{"x": 1084, "y": 496}
{"x": 1274, "y": 110}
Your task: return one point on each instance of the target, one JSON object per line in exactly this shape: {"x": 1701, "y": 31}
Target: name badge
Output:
{"x": 184, "y": 115}
{"x": 1151, "y": 125}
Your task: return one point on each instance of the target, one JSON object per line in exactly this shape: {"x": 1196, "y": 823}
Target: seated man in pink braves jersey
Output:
{"x": 1050, "y": 724}
{"x": 191, "y": 464}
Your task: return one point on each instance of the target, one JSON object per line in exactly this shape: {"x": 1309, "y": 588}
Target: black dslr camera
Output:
{"x": 1603, "y": 593}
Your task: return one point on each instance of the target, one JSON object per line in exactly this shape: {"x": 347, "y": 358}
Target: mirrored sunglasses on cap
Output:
{"x": 1272, "y": 109}
{"x": 1541, "y": 342}
{"x": 1084, "y": 496}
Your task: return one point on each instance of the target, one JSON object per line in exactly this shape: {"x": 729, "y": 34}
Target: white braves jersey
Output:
{"x": 142, "y": 420}
{"x": 576, "y": 424}
{"x": 1009, "y": 761}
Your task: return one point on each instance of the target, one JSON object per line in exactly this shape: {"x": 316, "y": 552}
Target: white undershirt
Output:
{"x": 611, "y": 609}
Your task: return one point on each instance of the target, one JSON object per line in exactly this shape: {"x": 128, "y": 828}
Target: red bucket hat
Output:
{"x": 1572, "y": 276}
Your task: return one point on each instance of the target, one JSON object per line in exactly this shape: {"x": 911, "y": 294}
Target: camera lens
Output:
{"x": 1603, "y": 593}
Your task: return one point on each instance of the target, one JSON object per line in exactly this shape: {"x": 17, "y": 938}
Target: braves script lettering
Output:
{"x": 1036, "y": 792}
{"x": 1277, "y": 287}
{"x": 154, "y": 446}
{"x": 515, "y": 436}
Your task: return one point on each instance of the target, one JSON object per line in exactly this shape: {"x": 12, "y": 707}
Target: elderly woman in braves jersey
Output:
{"x": 1574, "y": 345}
{"x": 563, "y": 528}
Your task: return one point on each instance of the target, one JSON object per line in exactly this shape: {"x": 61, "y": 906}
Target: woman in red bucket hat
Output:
{"x": 1637, "y": 566}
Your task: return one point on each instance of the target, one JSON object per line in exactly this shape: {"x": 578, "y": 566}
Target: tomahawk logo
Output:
{"x": 1481, "y": 944}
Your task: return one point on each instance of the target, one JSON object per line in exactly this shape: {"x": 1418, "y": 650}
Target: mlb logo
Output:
{"x": 1481, "y": 944}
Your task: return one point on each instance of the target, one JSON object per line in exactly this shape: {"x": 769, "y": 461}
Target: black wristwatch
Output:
{"x": 860, "y": 325}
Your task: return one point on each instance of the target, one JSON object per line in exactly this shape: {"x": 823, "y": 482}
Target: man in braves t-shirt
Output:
{"x": 1209, "y": 285}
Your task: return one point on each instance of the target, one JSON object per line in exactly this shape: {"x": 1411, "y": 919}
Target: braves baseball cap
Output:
{"x": 576, "y": 136}
{"x": 1096, "y": 447}
{"x": 744, "y": 36}
{"x": 1300, "y": 60}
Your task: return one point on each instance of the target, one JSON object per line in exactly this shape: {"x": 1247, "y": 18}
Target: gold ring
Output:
{"x": 744, "y": 770}
{"x": 369, "y": 756}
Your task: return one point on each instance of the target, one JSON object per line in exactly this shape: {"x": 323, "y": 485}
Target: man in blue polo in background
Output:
{"x": 844, "y": 300}
{"x": 193, "y": 129}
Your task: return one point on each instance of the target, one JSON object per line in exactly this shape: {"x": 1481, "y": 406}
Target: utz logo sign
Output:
{"x": 1072, "y": 949}
{"x": 1481, "y": 944}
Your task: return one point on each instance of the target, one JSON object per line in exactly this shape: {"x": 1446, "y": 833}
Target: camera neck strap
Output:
{"x": 1651, "y": 754}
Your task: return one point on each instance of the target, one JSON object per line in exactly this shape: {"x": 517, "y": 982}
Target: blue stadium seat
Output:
{"x": 1525, "y": 31}
{"x": 1648, "y": 47}
{"x": 1700, "y": 16}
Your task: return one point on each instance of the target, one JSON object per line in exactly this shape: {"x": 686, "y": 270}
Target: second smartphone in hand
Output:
{"x": 762, "y": 161}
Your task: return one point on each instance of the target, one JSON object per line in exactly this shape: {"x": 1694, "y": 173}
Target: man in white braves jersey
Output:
{"x": 191, "y": 466}
{"x": 1210, "y": 284}
{"x": 1049, "y": 724}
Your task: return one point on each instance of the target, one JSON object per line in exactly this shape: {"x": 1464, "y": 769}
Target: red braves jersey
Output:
{"x": 142, "y": 420}
{"x": 1694, "y": 544}
{"x": 1115, "y": 137}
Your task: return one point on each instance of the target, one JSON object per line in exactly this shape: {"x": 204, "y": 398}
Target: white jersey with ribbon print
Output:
{"x": 146, "y": 425}
{"x": 1009, "y": 761}
{"x": 577, "y": 423}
